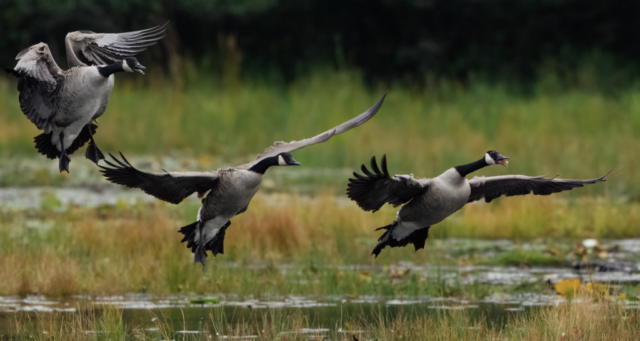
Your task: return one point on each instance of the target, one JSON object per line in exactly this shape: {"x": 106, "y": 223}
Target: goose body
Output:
{"x": 429, "y": 201}
{"x": 84, "y": 97}
{"x": 447, "y": 194}
{"x": 64, "y": 103}
{"x": 225, "y": 193}
{"x": 235, "y": 189}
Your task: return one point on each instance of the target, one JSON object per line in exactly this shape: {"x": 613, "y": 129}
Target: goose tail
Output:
{"x": 45, "y": 147}
{"x": 417, "y": 238}
{"x": 197, "y": 245}
{"x": 48, "y": 149}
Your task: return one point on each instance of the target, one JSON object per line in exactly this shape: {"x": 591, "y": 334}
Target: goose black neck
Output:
{"x": 264, "y": 164}
{"x": 471, "y": 167}
{"x": 110, "y": 69}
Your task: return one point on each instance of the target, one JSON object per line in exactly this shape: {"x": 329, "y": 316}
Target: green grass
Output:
{"x": 574, "y": 132}
{"x": 590, "y": 317}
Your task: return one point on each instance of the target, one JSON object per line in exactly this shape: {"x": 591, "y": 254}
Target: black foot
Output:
{"x": 200, "y": 254}
{"x": 93, "y": 153}
{"x": 63, "y": 164}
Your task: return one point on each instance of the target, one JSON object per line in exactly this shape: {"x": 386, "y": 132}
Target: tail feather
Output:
{"x": 189, "y": 233}
{"x": 46, "y": 148}
{"x": 13, "y": 72}
{"x": 417, "y": 238}
{"x": 215, "y": 245}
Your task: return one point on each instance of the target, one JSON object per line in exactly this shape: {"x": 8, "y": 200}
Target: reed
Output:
{"x": 584, "y": 318}
{"x": 125, "y": 248}
{"x": 576, "y": 132}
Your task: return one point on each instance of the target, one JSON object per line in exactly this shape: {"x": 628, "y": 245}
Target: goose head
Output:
{"x": 494, "y": 158}
{"x": 286, "y": 159}
{"x": 130, "y": 64}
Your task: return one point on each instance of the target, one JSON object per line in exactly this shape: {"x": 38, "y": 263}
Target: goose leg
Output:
{"x": 201, "y": 251}
{"x": 93, "y": 153}
{"x": 63, "y": 164}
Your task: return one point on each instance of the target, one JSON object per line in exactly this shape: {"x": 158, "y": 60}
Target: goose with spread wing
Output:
{"x": 64, "y": 103}
{"x": 429, "y": 201}
{"x": 226, "y": 193}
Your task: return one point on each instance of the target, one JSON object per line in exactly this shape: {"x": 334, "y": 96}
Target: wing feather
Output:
{"x": 282, "y": 147}
{"x": 89, "y": 48}
{"x": 373, "y": 190}
{"x": 40, "y": 79}
{"x": 493, "y": 187}
{"x": 172, "y": 187}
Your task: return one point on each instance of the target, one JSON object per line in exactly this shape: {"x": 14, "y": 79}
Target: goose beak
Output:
{"x": 503, "y": 160}
{"x": 294, "y": 163}
{"x": 139, "y": 69}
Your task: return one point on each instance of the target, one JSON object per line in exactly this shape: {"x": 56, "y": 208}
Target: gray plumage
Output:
{"x": 226, "y": 193}
{"x": 63, "y": 103}
{"x": 284, "y": 147}
{"x": 90, "y": 48}
{"x": 429, "y": 201}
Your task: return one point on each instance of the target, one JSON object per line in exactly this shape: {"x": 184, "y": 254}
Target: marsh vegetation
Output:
{"x": 78, "y": 235}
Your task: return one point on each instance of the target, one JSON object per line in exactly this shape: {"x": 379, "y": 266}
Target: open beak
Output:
{"x": 139, "y": 69}
{"x": 503, "y": 160}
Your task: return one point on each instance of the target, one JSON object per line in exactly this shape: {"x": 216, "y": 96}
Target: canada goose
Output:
{"x": 226, "y": 192}
{"x": 429, "y": 201}
{"x": 64, "y": 103}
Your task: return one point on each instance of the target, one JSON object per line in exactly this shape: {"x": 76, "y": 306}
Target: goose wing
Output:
{"x": 90, "y": 48}
{"x": 40, "y": 79}
{"x": 493, "y": 187}
{"x": 172, "y": 187}
{"x": 372, "y": 190}
{"x": 281, "y": 147}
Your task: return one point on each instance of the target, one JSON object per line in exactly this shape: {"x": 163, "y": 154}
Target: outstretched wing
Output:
{"x": 372, "y": 190}
{"x": 40, "y": 78}
{"x": 89, "y": 48}
{"x": 172, "y": 187}
{"x": 493, "y": 187}
{"x": 282, "y": 147}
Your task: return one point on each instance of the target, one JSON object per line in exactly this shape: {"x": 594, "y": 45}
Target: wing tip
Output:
{"x": 374, "y": 109}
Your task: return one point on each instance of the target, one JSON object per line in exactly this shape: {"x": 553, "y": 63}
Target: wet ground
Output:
{"x": 325, "y": 314}
{"x": 488, "y": 262}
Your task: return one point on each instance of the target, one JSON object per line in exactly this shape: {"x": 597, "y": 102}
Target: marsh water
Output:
{"x": 614, "y": 262}
{"x": 322, "y": 313}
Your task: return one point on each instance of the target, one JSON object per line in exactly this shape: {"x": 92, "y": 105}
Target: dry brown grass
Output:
{"x": 116, "y": 250}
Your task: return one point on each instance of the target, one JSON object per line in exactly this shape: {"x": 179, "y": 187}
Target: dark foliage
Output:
{"x": 386, "y": 39}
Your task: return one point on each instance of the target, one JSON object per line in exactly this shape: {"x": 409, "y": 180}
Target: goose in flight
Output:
{"x": 64, "y": 103}
{"x": 226, "y": 193}
{"x": 429, "y": 201}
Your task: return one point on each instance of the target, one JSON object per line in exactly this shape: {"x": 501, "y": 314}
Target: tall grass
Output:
{"x": 576, "y": 132}
{"x": 585, "y": 318}
{"x": 112, "y": 250}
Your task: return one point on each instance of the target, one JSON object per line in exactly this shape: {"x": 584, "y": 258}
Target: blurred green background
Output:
{"x": 552, "y": 84}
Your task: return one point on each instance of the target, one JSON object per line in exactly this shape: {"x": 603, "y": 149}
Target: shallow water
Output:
{"x": 145, "y": 312}
{"x": 324, "y": 313}
{"x": 619, "y": 263}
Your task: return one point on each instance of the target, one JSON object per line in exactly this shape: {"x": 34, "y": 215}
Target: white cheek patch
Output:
{"x": 281, "y": 161}
{"x": 125, "y": 66}
{"x": 200, "y": 210}
{"x": 489, "y": 160}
